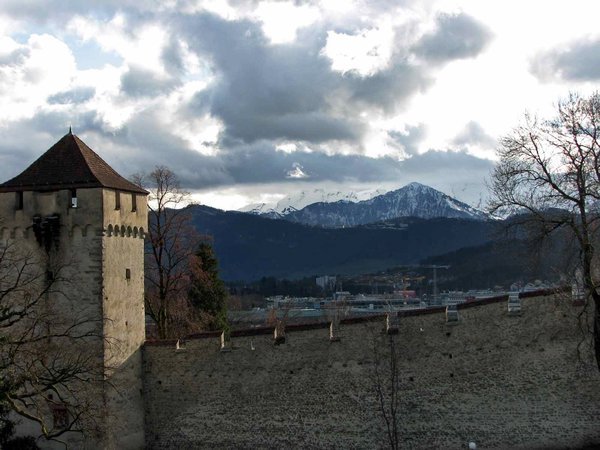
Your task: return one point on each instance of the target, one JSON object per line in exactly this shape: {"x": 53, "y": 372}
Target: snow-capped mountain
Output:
{"x": 297, "y": 201}
{"x": 261, "y": 209}
{"x": 413, "y": 200}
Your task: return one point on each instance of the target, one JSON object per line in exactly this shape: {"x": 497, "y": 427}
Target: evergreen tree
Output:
{"x": 207, "y": 292}
{"x": 7, "y": 430}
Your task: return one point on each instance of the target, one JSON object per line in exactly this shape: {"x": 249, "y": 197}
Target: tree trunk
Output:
{"x": 596, "y": 298}
{"x": 162, "y": 323}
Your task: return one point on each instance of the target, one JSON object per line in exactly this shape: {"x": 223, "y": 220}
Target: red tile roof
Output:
{"x": 69, "y": 164}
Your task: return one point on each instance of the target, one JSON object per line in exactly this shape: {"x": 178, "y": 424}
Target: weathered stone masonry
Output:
{"x": 501, "y": 381}
{"x": 71, "y": 206}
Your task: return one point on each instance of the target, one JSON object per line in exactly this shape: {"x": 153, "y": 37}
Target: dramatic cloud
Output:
{"x": 473, "y": 135}
{"x": 144, "y": 83}
{"x": 456, "y": 36}
{"x": 467, "y": 173}
{"x": 290, "y": 92}
{"x": 31, "y": 72}
{"x": 577, "y": 61}
{"x": 72, "y": 96}
{"x": 237, "y": 95}
{"x": 409, "y": 140}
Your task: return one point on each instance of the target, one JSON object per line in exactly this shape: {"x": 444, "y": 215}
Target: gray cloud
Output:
{"x": 73, "y": 96}
{"x": 143, "y": 144}
{"x": 172, "y": 57}
{"x": 409, "y": 141}
{"x": 456, "y": 173}
{"x": 61, "y": 11}
{"x": 388, "y": 90}
{"x": 289, "y": 91}
{"x": 436, "y": 162}
{"x": 262, "y": 163}
{"x": 456, "y": 36}
{"x": 577, "y": 61}
{"x": 41, "y": 131}
{"x": 144, "y": 83}
{"x": 474, "y": 134}
{"x": 14, "y": 58}
{"x": 262, "y": 91}
{"x": 263, "y": 94}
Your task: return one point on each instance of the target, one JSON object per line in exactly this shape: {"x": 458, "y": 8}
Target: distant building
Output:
{"x": 326, "y": 282}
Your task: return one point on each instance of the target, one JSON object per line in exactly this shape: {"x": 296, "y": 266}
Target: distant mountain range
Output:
{"x": 297, "y": 201}
{"x": 250, "y": 247}
{"x": 351, "y": 209}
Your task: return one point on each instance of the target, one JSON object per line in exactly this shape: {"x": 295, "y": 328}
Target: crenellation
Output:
{"x": 123, "y": 231}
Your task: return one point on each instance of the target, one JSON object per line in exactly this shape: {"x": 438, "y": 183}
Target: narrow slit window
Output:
{"x": 19, "y": 200}
{"x": 133, "y": 203}
{"x": 128, "y": 274}
{"x": 60, "y": 416}
{"x": 117, "y": 200}
{"x": 73, "y": 198}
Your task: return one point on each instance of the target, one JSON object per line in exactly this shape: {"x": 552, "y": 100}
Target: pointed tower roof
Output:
{"x": 69, "y": 164}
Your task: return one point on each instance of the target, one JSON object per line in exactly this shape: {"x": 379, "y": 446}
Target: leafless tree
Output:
{"x": 171, "y": 241}
{"x": 48, "y": 368}
{"x": 386, "y": 384}
{"x": 548, "y": 173}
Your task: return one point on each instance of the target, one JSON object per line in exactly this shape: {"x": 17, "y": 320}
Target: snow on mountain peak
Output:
{"x": 299, "y": 200}
{"x": 334, "y": 209}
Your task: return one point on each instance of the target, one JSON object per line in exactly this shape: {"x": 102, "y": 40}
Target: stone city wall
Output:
{"x": 498, "y": 380}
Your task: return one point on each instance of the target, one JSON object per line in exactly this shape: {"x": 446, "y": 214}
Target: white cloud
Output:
{"x": 215, "y": 92}
{"x": 140, "y": 46}
{"x": 288, "y": 147}
{"x": 222, "y": 8}
{"x": 31, "y": 72}
{"x": 281, "y": 20}
{"x": 365, "y": 52}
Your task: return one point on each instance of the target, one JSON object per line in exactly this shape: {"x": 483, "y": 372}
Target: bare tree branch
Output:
{"x": 549, "y": 174}
{"x": 171, "y": 241}
{"x": 47, "y": 357}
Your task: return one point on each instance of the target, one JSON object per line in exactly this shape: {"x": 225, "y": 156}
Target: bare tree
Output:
{"x": 549, "y": 174}
{"x": 48, "y": 368}
{"x": 171, "y": 241}
{"x": 386, "y": 384}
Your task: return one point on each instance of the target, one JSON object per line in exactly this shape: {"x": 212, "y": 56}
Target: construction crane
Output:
{"x": 435, "y": 267}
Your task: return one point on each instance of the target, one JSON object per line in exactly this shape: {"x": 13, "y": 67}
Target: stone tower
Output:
{"x": 71, "y": 206}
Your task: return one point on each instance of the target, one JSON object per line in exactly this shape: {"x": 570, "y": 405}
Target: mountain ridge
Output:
{"x": 299, "y": 200}
{"x": 250, "y": 247}
{"x": 412, "y": 200}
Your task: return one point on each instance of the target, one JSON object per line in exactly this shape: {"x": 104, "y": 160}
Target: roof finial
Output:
{"x": 70, "y": 132}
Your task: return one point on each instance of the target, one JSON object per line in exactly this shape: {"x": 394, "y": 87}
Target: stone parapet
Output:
{"x": 498, "y": 380}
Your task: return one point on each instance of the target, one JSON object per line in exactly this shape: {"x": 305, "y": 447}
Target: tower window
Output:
{"x": 128, "y": 274}
{"x": 133, "y": 202}
{"x": 19, "y": 200}
{"x": 73, "y": 198}
{"x": 60, "y": 416}
{"x": 117, "y": 200}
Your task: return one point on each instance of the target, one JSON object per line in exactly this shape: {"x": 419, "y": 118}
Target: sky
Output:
{"x": 248, "y": 101}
